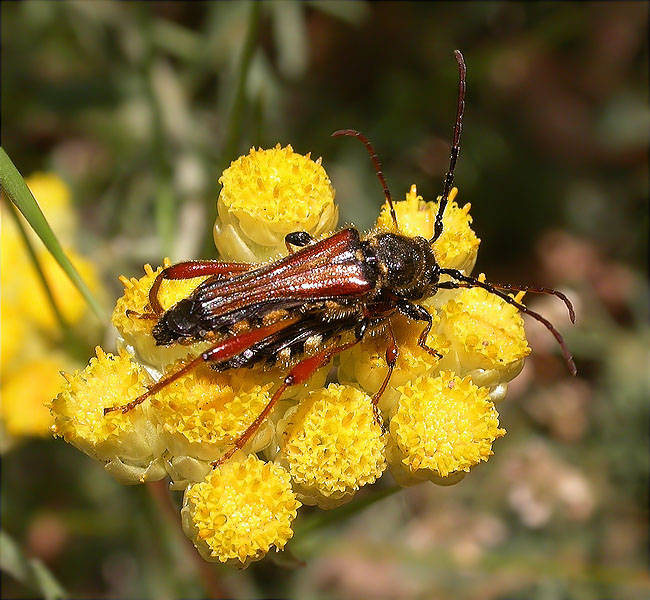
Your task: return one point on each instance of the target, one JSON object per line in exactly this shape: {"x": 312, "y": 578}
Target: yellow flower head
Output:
{"x": 331, "y": 445}
{"x": 137, "y": 331}
{"x": 12, "y": 332}
{"x": 23, "y": 294}
{"x": 443, "y": 425}
{"x": 266, "y": 195}
{"x": 457, "y": 246}
{"x": 365, "y": 363}
{"x": 486, "y": 333}
{"x": 73, "y": 307}
{"x": 54, "y": 199}
{"x": 22, "y": 288}
{"x": 239, "y": 511}
{"x": 79, "y": 410}
{"x": 203, "y": 412}
{"x": 26, "y": 394}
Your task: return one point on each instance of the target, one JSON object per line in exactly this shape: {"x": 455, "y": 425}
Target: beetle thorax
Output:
{"x": 407, "y": 265}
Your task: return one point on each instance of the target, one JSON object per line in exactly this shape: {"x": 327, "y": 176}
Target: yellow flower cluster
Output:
{"x": 320, "y": 444}
{"x": 31, "y": 356}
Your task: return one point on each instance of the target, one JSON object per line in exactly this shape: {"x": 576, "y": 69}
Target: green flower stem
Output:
{"x": 161, "y": 497}
{"x": 236, "y": 110}
{"x": 16, "y": 189}
{"x": 340, "y": 514}
{"x": 237, "y": 107}
{"x": 37, "y": 265}
{"x": 165, "y": 207}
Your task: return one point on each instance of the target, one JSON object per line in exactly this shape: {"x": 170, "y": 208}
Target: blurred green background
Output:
{"x": 140, "y": 106}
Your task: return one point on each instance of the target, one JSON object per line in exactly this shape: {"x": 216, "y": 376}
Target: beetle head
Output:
{"x": 176, "y": 324}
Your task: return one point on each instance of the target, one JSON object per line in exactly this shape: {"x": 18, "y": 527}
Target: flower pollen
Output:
{"x": 267, "y": 194}
{"x": 203, "y": 410}
{"x": 486, "y": 331}
{"x": 444, "y": 424}
{"x": 331, "y": 444}
{"x": 106, "y": 381}
{"x": 240, "y": 510}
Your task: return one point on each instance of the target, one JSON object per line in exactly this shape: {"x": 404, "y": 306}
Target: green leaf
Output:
{"x": 291, "y": 37}
{"x": 30, "y": 572}
{"x": 16, "y": 189}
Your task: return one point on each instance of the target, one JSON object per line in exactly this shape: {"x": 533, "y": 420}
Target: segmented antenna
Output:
{"x": 455, "y": 146}
{"x": 493, "y": 289}
{"x": 375, "y": 162}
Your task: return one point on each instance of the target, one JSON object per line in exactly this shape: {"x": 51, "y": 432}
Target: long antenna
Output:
{"x": 375, "y": 162}
{"x": 455, "y": 145}
{"x": 493, "y": 289}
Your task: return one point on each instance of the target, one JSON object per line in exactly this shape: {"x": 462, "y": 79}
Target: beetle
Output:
{"x": 322, "y": 298}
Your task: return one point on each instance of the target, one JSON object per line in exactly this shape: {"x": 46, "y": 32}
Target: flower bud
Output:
{"x": 26, "y": 393}
{"x": 443, "y": 426}
{"x": 239, "y": 511}
{"x": 126, "y": 442}
{"x": 457, "y": 246}
{"x": 266, "y": 195}
{"x": 203, "y": 412}
{"x": 331, "y": 445}
{"x": 54, "y": 199}
{"x": 486, "y": 334}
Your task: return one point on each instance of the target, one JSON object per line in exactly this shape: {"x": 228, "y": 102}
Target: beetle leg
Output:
{"x": 297, "y": 375}
{"x": 392, "y": 353}
{"x": 297, "y": 238}
{"x": 132, "y": 314}
{"x": 419, "y": 313}
{"x": 360, "y": 328}
{"x": 189, "y": 270}
{"x": 223, "y": 350}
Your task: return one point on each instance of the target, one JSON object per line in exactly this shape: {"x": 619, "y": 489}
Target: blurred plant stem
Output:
{"x": 164, "y": 202}
{"x": 65, "y": 327}
{"x": 236, "y": 106}
{"x": 160, "y": 495}
{"x": 339, "y": 515}
{"x": 233, "y": 134}
{"x": 31, "y": 572}
{"x": 16, "y": 189}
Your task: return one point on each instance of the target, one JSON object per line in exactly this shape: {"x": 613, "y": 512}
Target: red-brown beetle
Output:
{"x": 320, "y": 299}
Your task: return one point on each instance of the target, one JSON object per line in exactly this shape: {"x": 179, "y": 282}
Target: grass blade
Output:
{"x": 37, "y": 265}
{"x": 31, "y": 572}
{"x": 16, "y": 189}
